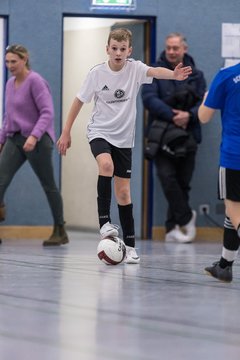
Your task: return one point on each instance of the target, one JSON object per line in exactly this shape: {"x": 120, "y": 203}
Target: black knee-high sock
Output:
{"x": 127, "y": 223}
{"x": 104, "y": 190}
{"x": 231, "y": 243}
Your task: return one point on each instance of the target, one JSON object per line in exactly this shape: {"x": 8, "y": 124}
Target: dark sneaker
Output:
{"x": 219, "y": 273}
{"x": 58, "y": 237}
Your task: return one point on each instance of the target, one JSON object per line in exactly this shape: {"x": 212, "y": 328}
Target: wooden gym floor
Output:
{"x": 64, "y": 304}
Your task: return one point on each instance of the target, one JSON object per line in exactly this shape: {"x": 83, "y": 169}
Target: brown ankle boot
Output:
{"x": 58, "y": 237}
{"x": 2, "y": 212}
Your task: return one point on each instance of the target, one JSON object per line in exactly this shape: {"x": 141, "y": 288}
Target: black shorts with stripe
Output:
{"x": 229, "y": 184}
{"x": 121, "y": 157}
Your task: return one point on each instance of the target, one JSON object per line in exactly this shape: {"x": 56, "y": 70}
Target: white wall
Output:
{"x": 85, "y": 42}
{"x": 79, "y": 169}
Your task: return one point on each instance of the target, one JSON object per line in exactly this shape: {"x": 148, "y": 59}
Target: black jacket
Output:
{"x": 162, "y": 95}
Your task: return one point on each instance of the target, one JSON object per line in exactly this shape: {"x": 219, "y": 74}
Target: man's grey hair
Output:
{"x": 178, "y": 34}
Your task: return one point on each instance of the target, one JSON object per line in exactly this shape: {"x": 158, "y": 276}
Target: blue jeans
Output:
{"x": 13, "y": 157}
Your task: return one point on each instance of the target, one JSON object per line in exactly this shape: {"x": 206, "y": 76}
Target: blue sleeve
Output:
{"x": 216, "y": 95}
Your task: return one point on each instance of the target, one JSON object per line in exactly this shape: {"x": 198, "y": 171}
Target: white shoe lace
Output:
{"x": 108, "y": 228}
{"x": 115, "y": 226}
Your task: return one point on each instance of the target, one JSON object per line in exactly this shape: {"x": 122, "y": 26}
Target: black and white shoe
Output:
{"x": 219, "y": 273}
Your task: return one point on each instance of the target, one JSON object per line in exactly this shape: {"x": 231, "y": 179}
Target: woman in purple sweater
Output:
{"x": 28, "y": 134}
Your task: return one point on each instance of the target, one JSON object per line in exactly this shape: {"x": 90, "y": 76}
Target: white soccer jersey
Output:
{"x": 114, "y": 114}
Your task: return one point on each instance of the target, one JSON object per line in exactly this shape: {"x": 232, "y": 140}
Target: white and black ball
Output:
{"x": 111, "y": 250}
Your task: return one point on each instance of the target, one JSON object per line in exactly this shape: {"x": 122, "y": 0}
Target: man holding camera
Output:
{"x": 176, "y": 103}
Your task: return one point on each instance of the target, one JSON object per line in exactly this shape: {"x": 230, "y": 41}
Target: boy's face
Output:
{"x": 118, "y": 52}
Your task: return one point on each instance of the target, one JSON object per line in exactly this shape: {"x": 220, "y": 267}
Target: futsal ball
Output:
{"x": 111, "y": 250}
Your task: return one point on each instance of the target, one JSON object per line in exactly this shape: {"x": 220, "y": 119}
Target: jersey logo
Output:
{"x": 236, "y": 79}
{"x": 119, "y": 93}
{"x": 105, "y": 87}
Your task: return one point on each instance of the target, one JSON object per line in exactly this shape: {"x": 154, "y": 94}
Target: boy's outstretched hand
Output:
{"x": 64, "y": 143}
{"x": 182, "y": 73}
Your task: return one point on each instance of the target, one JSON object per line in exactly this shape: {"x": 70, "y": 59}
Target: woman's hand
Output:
{"x": 30, "y": 143}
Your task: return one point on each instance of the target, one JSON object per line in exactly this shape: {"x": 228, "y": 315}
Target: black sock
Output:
{"x": 104, "y": 190}
{"x": 223, "y": 263}
{"x": 231, "y": 242}
{"x": 127, "y": 223}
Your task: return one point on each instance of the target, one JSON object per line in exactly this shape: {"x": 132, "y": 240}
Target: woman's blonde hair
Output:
{"x": 21, "y": 51}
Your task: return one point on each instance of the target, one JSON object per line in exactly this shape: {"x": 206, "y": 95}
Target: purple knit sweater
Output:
{"x": 28, "y": 108}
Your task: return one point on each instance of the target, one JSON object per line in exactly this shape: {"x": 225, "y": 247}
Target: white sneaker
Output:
{"x": 131, "y": 256}
{"x": 191, "y": 227}
{"x": 176, "y": 235}
{"x": 109, "y": 229}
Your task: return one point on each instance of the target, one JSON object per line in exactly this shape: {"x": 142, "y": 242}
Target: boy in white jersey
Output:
{"x": 114, "y": 85}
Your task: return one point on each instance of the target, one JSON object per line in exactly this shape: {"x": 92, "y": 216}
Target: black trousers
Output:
{"x": 175, "y": 175}
{"x": 13, "y": 157}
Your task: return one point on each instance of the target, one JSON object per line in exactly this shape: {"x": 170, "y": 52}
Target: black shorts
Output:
{"x": 121, "y": 157}
{"x": 229, "y": 184}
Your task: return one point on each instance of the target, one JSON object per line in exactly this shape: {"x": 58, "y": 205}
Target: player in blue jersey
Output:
{"x": 224, "y": 94}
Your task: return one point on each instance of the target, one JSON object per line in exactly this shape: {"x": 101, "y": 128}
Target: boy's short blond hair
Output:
{"x": 120, "y": 34}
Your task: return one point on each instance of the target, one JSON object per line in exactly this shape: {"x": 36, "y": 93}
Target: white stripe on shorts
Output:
{"x": 222, "y": 182}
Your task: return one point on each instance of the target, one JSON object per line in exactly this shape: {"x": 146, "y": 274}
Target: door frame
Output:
{"x": 149, "y": 57}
